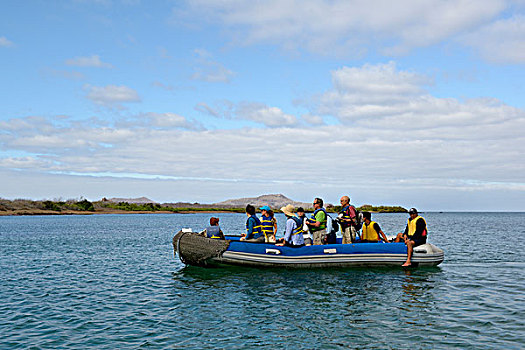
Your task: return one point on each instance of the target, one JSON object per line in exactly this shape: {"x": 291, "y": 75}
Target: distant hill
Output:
{"x": 274, "y": 201}
{"x": 140, "y": 200}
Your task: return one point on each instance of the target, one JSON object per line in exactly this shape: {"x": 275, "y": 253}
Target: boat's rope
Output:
{"x": 178, "y": 248}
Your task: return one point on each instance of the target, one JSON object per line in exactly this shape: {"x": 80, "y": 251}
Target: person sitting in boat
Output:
{"x": 253, "y": 227}
{"x": 293, "y": 236}
{"x": 214, "y": 230}
{"x": 317, "y": 223}
{"x": 306, "y": 234}
{"x": 268, "y": 224}
{"x": 274, "y": 221}
{"x": 371, "y": 231}
{"x": 415, "y": 234}
{"x": 347, "y": 220}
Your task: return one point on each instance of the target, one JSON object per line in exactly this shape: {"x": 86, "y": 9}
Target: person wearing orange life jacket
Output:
{"x": 415, "y": 234}
{"x": 371, "y": 231}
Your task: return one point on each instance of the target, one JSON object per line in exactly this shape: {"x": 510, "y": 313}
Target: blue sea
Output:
{"x": 112, "y": 282}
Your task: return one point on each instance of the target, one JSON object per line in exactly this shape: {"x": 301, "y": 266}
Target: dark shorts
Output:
{"x": 419, "y": 241}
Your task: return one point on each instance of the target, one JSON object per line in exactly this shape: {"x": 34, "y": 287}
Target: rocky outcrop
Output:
{"x": 274, "y": 201}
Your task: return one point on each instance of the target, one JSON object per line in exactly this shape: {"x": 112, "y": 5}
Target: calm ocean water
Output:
{"x": 111, "y": 282}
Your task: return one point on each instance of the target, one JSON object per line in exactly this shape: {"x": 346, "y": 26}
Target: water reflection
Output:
{"x": 322, "y": 287}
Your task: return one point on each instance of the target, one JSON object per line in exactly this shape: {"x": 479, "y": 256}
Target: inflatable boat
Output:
{"x": 194, "y": 249}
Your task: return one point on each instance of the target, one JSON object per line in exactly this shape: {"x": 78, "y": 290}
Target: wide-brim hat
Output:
{"x": 288, "y": 210}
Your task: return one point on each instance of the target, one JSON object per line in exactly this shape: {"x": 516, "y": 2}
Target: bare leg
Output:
{"x": 399, "y": 237}
{"x": 410, "y": 248}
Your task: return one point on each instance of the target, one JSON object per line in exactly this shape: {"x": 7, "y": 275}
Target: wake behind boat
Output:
{"x": 194, "y": 249}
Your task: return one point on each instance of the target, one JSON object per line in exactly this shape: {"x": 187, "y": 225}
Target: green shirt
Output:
{"x": 321, "y": 217}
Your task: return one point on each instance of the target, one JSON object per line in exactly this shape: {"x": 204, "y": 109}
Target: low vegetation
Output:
{"x": 56, "y": 206}
{"x": 382, "y": 209}
{"x": 154, "y": 207}
{"x": 83, "y": 206}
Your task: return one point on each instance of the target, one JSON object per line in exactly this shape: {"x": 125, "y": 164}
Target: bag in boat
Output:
{"x": 331, "y": 228}
{"x": 358, "y": 220}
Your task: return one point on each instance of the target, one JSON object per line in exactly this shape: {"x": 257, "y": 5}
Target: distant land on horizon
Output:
{"x": 274, "y": 201}
{"x": 146, "y": 205}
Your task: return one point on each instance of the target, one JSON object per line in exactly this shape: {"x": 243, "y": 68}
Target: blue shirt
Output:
{"x": 289, "y": 236}
{"x": 253, "y": 228}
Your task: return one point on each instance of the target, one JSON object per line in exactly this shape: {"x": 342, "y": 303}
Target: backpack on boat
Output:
{"x": 358, "y": 219}
{"x": 331, "y": 228}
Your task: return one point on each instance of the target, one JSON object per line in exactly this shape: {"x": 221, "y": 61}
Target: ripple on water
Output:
{"x": 110, "y": 282}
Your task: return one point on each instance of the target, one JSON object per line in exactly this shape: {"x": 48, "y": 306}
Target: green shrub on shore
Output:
{"x": 132, "y": 206}
{"x": 28, "y": 207}
{"x": 153, "y": 207}
{"x": 47, "y": 205}
{"x": 83, "y": 205}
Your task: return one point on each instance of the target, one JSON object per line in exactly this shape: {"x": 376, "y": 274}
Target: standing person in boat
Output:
{"x": 214, "y": 230}
{"x": 317, "y": 223}
{"x": 306, "y": 234}
{"x": 347, "y": 219}
{"x": 268, "y": 224}
{"x": 371, "y": 230}
{"x": 293, "y": 236}
{"x": 415, "y": 234}
{"x": 253, "y": 227}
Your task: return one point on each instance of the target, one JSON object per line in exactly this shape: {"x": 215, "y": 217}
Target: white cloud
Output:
{"x": 346, "y": 27}
{"x": 394, "y": 139}
{"x": 380, "y": 79}
{"x": 23, "y": 163}
{"x": 313, "y": 119}
{"x": 172, "y": 120}
{"x": 111, "y": 95}
{"x": 4, "y": 42}
{"x": 206, "y": 109}
{"x": 502, "y": 41}
{"x": 91, "y": 61}
{"x": 260, "y": 113}
{"x": 206, "y": 69}
{"x": 420, "y": 151}
{"x": 269, "y": 116}
{"x": 385, "y": 98}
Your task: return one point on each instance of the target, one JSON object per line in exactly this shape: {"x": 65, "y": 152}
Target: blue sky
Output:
{"x": 413, "y": 103}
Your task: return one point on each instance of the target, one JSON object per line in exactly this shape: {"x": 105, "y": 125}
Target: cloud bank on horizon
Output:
{"x": 410, "y": 103}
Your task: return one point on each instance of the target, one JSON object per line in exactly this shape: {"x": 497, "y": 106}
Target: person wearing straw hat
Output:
{"x": 293, "y": 236}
